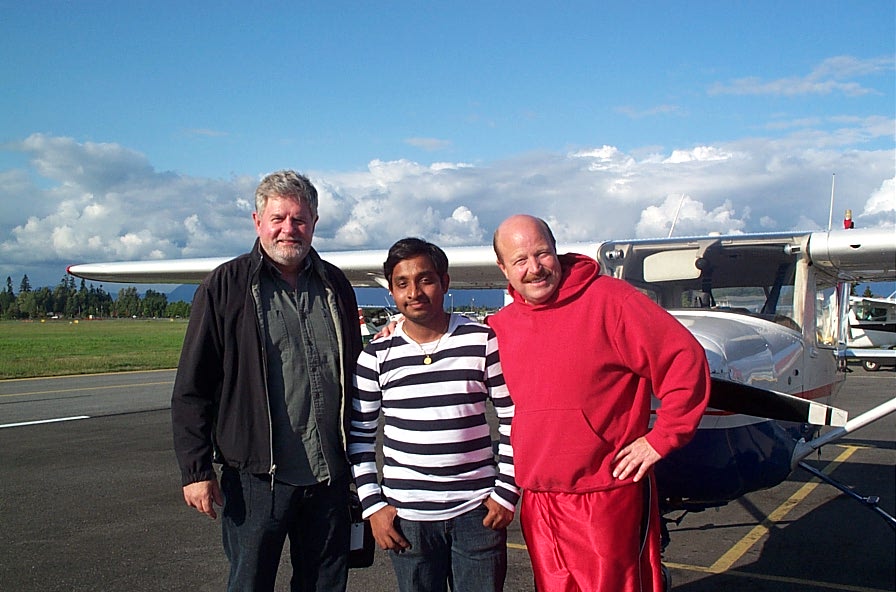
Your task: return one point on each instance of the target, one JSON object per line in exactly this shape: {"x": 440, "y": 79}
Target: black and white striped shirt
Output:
{"x": 438, "y": 456}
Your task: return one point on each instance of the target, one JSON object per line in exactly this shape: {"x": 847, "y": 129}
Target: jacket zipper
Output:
{"x": 264, "y": 365}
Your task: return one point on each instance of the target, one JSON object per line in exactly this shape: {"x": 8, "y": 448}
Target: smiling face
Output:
{"x": 527, "y": 256}
{"x": 419, "y": 292}
{"x": 285, "y": 228}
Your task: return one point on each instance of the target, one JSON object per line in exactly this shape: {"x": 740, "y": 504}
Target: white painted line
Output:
{"x": 27, "y": 423}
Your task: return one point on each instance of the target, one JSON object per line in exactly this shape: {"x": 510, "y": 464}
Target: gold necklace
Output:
{"x": 427, "y": 356}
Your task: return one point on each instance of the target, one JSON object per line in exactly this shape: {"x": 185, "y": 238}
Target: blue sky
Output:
{"x": 139, "y": 130}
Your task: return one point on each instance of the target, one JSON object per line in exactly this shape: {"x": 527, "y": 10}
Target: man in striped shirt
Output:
{"x": 444, "y": 502}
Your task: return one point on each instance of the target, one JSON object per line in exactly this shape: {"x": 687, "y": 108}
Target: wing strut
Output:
{"x": 804, "y": 449}
{"x": 871, "y": 502}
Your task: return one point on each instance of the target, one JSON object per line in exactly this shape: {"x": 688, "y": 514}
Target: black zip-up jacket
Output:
{"x": 219, "y": 407}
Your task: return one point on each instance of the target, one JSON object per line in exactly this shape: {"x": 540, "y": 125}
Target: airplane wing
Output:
{"x": 471, "y": 268}
{"x": 870, "y": 353}
{"x": 161, "y": 271}
{"x": 849, "y": 255}
{"x": 855, "y": 255}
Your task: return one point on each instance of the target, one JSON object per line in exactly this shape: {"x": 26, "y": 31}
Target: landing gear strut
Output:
{"x": 664, "y": 541}
{"x": 667, "y": 579}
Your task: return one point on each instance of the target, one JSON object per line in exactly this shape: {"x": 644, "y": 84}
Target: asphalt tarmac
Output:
{"x": 90, "y": 500}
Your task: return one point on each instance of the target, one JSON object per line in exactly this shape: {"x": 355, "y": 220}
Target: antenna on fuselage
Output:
{"x": 831, "y": 212}
{"x": 675, "y": 219}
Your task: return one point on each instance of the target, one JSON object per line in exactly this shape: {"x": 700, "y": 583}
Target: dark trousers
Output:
{"x": 257, "y": 519}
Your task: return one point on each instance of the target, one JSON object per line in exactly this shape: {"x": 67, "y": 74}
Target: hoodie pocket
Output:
{"x": 554, "y": 448}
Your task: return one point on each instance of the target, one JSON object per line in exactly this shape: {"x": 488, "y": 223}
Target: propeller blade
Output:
{"x": 736, "y": 397}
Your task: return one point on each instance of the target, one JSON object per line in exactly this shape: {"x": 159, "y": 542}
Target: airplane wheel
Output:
{"x": 667, "y": 578}
{"x": 871, "y": 365}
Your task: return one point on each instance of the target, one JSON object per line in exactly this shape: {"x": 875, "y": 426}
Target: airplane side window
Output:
{"x": 877, "y": 314}
{"x": 826, "y": 316}
{"x": 742, "y": 299}
{"x": 652, "y": 294}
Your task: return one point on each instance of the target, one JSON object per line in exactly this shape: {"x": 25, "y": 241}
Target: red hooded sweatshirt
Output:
{"x": 581, "y": 368}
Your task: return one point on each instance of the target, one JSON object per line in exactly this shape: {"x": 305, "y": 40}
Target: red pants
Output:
{"x": 594, "y": 542}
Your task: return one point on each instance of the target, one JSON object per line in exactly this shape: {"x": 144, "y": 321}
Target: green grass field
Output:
{"x": 60, "y": 347}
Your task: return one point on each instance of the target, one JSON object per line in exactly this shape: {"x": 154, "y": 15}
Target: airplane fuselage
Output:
{"x": 733, "y": 454}
{"x": 872, "y": 322}
{"x": 767, "y": 318}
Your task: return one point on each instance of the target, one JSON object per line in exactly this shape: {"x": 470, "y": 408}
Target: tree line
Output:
{"x": 70, "y": 301}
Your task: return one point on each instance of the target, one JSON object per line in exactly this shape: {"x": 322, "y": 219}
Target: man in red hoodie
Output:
{"x": 582, "y": 355}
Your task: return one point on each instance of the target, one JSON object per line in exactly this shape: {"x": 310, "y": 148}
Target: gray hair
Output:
{"x": 286, "y": 184}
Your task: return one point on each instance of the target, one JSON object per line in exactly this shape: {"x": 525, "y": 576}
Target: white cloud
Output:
{"x": 103, "y": 202}
{"x": 459, "y": 228}
{"x": 699, "y": 154}
{"x": 683, "y": 216}
{"x": 831, "y": 76}
{"x": 880, "y": 208}
{"x": 92, "y": 166}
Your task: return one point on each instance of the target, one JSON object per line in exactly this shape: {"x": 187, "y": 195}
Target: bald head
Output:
{"x": 527, "y": 255}
{"x": 522, "y": 224}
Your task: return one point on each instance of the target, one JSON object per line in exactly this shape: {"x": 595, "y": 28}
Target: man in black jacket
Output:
{"x": 263, "y": 388}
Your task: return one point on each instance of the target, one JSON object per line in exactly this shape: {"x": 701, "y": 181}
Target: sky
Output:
{"x": 139, "y": 130}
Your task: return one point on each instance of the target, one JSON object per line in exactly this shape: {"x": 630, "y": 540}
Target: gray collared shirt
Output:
{"x": 304, "y": 389}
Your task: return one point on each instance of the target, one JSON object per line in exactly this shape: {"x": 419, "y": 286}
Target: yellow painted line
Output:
{"x": 724, "y": 563}
{"x": 687, "y": 567}
{"x": 86, "y": 388}
{"x": 753, "y": 576}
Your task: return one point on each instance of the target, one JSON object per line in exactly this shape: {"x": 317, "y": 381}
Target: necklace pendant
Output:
{"x": 427, "y": 360}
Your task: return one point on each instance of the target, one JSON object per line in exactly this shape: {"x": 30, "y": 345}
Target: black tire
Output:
{"x": 870, "y": 365}
{"x": 667, "y": 579}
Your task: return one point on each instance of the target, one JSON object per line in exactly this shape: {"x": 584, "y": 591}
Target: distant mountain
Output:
{"x": 457, "y": 298}
{"x": 379, "y": 296}
{"x": 183, "y": 293}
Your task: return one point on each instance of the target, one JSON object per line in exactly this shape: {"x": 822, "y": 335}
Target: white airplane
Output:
{"x": 871, "y": 336}
{"x": 771, "y": 311}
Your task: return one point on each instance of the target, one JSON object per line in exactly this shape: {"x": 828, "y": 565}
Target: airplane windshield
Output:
{"x": 753, "y": 279}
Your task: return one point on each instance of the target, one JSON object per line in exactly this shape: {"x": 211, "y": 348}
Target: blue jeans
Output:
{"x": 459, "y": 552}
{"x": 257, "y": 519}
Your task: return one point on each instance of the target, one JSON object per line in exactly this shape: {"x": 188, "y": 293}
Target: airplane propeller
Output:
{"x": 736, "y": 397}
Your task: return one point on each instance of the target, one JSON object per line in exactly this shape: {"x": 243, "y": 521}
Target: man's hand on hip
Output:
{"x": 635, "y": 459}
